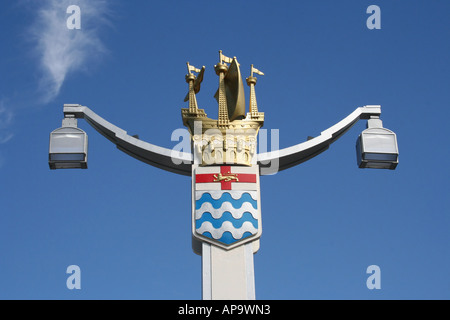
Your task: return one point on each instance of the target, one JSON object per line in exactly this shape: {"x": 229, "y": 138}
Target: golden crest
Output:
{"x": 231, "y": 139}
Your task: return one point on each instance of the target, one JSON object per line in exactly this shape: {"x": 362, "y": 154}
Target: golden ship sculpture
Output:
{"x": 232, "y": 138}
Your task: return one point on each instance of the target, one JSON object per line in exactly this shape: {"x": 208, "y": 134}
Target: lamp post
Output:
{"x": 224, "y": 168}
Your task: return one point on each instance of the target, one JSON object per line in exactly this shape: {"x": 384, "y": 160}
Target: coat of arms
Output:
{"x": 226, "y": 205}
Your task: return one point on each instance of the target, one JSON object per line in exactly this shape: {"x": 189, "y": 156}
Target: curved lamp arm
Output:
{"x": 167, "y": 159}
{"x": 181, "y": 162}
{"x": 274, "y": 161}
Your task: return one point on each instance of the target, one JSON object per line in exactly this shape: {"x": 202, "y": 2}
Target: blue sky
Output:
{"x": 127, "y": 224}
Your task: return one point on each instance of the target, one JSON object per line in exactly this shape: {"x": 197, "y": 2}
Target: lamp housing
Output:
{"x": 68, "y": 146}
{"x": 377, "y": 147}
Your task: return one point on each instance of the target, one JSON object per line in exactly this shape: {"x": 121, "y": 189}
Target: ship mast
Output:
{"x": 253, "y": 106}
{"x": 190, "y": 78}
{"x": 221, "y": 68}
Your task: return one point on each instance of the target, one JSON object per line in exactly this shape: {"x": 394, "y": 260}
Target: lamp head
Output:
{"x": 68, "y": 146}
{"x": 377, "y": 147}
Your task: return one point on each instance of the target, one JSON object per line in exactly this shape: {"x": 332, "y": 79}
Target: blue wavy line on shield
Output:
{"x": 226, "y": 216}
{"x": 226, "y": 197}
{"x": 227, "y": 237}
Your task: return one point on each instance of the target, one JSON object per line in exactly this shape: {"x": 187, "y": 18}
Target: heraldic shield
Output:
{"x": 226, "y": 205}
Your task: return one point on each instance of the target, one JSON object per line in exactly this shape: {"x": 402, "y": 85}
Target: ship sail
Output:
{"x": 234, "y": 88}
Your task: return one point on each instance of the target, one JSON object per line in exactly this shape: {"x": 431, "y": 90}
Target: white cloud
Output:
{"x": 6, "y": 117}
{"x": 61, "y": 50}
{"x": 4, "y": 138}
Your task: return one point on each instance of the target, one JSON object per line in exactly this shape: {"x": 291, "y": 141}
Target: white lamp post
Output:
{"x": 377, "y": 148}
{"x": 226, "y": 216}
